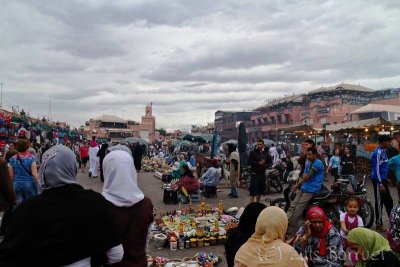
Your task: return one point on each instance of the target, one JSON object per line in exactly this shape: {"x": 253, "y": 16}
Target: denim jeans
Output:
{"x": 234, "y": 191}
{"x": 25, "y": 190}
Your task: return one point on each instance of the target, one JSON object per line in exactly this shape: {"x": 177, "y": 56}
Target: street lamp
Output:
{"x": 1, "y": 94}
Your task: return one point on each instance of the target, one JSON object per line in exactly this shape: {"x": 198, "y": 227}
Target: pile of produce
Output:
{"x": 155, "y": 164}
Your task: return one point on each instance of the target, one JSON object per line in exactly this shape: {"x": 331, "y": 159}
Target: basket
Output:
{"x": 160, "y": 240}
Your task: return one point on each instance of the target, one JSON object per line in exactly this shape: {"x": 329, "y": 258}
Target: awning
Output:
{"x": 201, "y": 138}
{"x": 298, "y": 129}
{"x": 353, "y": 125}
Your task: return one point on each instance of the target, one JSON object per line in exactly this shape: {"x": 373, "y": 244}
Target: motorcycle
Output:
{"x": 274, "y": 177}
{"x": 333, "y": 201}
{"x": 244, "y": 179}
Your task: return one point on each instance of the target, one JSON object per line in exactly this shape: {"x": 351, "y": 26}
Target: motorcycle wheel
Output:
{"x": 367, "y": 214}
{"x": 278, "y": 186}
{"x": 280, "y": 203}
{"x": 267, "y": 185}
{"x": 333, "y": 216}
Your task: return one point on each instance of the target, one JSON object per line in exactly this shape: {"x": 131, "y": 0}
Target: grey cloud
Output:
{"x": 189, "y": 57}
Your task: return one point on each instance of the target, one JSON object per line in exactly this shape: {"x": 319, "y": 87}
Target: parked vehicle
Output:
{"x": 274, "y": 177}
{"x": 333, "y": 201}
{"x": 244, "y": 179}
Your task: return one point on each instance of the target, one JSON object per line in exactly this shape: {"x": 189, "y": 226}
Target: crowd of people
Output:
{"x": 44, "y": 200}
{"x": 51, "y": 220}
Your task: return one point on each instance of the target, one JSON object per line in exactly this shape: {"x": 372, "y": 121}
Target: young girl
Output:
{"x": 348, "y": 221}
{"x": 334, "y": 164}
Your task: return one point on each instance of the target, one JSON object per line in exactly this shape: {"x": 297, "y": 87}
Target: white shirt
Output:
{"x": 351, "y": 220}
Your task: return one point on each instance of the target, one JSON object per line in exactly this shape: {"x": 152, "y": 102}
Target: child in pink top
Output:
{"x": 348, "y": 221}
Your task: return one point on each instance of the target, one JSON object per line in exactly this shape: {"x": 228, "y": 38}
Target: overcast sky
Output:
{"x": 190, "y": 58}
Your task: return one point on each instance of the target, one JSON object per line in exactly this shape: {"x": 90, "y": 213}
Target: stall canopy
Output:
{"x": 133, "y": 140}
{"x": 231, "y": 141}
{"x": 299, "y": 129}
{"x": 353, "y": 125}
{"x": 201, "y": 138}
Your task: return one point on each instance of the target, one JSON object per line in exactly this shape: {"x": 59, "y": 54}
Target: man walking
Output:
{"x": 379, "y": 172}
{"x": 84, "y": 154}
{"x": 234, "y": 170}
{"x": 309, "y": 185}
{"x": 259, "y": 159}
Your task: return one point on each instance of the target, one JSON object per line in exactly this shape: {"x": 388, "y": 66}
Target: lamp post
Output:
{"x": 1, "y": 95}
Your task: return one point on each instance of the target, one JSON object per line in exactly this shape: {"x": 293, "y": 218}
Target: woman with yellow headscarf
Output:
{"x": 372, "y": 249}
{"x": 266, "y": 247}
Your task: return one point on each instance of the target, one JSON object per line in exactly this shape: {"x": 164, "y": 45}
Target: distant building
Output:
{"x": 116, "y": 128}
{"x": 209, "y": 128}
{"x": 370, "y": 111}
{"x": 227, "y": 123}
{"x": 320, "y": 107}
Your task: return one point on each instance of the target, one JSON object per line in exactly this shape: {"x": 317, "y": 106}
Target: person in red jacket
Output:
{"x": 188, "y": 184}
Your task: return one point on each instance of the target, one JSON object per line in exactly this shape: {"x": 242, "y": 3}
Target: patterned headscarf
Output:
{"x": 317, "y": 212}
{"x": 58, "y": 168}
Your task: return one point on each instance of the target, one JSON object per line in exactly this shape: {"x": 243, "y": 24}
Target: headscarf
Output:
{"x": 120, "y": 180}
{"x": 119, "y": 147}
{"x": 371, "y": 242}
{"x": 247, "y": 223}
{"x": 93, "y": 143}
{"x": 266, "y": 247}
{"x": 58, "y": 168}
{"x": 317, "y": 212}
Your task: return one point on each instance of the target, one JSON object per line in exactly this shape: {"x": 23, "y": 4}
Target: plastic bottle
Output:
{"x": 221, "y": 206}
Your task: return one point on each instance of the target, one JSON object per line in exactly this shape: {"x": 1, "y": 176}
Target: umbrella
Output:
{"x": 214, "y": 144}
{"x": 242, "y": 143}
{"x": 132, "y": 140}
{"x": 231, "y": 141}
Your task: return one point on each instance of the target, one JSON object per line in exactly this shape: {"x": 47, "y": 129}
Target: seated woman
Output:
{"x": 188, "y": 184}
{"x": 212, "y": 175}
{"x": 317, "y": 237}
{"x": 372, "y": 249}
{"x": 178, "y": 173}
{"x": 66, "y": 225}
{"x": 238, "y": 236}
{"x": 266, "y": 247}
{"x": 127, "y": 203}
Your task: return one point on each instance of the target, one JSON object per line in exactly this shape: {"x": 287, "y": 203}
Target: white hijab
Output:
{"x": 120, "y": 179}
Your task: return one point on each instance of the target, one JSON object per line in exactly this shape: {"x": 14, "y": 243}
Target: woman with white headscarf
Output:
{"x": 65, "y": 225}
{"x": 266, "y": 247}
{"x": 132, "y": 210}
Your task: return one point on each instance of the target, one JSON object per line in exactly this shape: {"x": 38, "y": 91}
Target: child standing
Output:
{"x": 348, "y": 221}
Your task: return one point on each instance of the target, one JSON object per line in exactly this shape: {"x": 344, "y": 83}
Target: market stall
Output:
{"x": 192, "y": 227}
{"x": 363, "y": 137}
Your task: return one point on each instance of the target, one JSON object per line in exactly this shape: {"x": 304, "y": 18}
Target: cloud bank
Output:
{"x": 190, "y": 58}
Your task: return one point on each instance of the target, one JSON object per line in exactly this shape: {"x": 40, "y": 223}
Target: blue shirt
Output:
{"x": 334, "y": 162}
{"x": 314, "y": 184}
{"x": 212, "y": 176}
{"x": 20, "y": 174}
{"x": 379, "y": 165}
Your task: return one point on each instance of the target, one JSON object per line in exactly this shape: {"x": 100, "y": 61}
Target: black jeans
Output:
{"x": 382, "y": 198}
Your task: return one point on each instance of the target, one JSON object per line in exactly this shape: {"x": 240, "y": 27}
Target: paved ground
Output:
{"x": 151, "y": 186}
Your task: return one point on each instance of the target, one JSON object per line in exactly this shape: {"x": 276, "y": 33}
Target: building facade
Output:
{"x": 227, "y": 123}
{"x": 318, "y": 108}
{"x": 116, "y": 129}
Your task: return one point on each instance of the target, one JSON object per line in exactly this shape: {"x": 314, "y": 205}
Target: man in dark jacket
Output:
{"x": 259, "y": 160}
